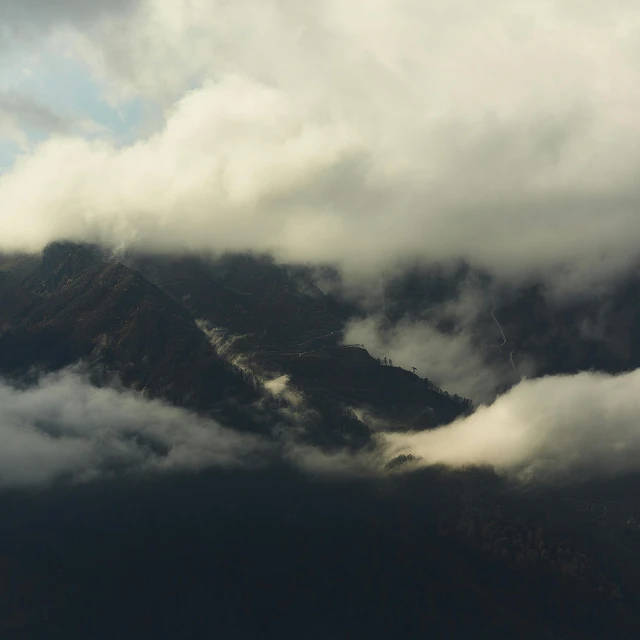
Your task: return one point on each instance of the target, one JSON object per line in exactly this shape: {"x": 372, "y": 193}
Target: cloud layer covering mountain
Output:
{"x": 64, "y": 427}
{"x": 355, "y": 133}
{"x": 562, "y": 428}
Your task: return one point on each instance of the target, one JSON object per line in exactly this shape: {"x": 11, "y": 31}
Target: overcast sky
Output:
{"x": 361, "y": 132}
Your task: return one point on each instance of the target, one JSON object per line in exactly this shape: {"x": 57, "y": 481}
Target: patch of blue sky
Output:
{"x": 65, "y": 86}
{"x": 8, "y": 153}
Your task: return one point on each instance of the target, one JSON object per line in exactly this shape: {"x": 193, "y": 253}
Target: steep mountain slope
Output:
{"x": 72, "y": 305}
{"x": 273, "y": 307}
{"x": 281, "y": 321}
{"x": 142, "y": 321}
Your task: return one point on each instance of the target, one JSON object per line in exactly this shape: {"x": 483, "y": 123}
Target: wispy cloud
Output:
{"x": 457, "y": 342}
{"x": 47, "y": 14}
{"x": 65, "y": 427}
{"x": 451, "y": 360}
{"x": 22, "y": 115}
{"x": 554, "y": 429}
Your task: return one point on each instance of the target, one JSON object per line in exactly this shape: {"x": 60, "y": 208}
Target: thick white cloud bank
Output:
{"x": 360, "y": 132}
{"x": 65, "y": 427}
{"x": 549, "y": 429}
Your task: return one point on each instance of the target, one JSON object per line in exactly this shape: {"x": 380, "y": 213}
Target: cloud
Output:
{"x": 456, "y": 342}
{"x": 218, "y": 169}
{"x": 21, "y": 114}
{"x": 357, "y": 133}
{"x": 65, "y": 427}
{"x": 553, "y": 429}
{"x": 46, "y": 13}
{"x": 11, "y": 130}
{"x": 341, "y": 463}
{"x": 31, "y": 112}
{"x": 25, "y": 24}
{"x": 549, "y": 429}
{"x": 451, "y": 360}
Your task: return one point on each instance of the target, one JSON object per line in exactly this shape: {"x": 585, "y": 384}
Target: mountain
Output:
{"x": 599, "y": 332}
{"x": 72, "y": 305}
{"x": 525, "y": 330}
{"x": 142, "y": 318}
{"x": 275, "y": 551}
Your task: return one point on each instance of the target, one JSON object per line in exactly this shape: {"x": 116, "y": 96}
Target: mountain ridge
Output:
{"x": 138, "y": 318}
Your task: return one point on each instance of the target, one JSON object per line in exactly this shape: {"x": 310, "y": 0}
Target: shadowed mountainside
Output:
{"x": 539, "y": 333}
{"x": 139, "y": 320}
{"x": 262, "y": 553}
